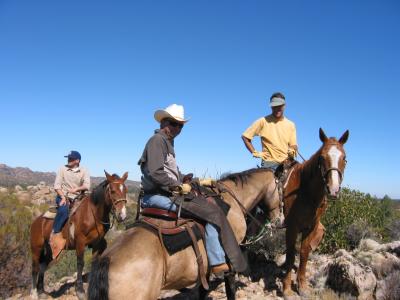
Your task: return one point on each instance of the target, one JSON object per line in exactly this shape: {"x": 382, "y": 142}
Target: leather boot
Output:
{"x": 220, "y": 269}
{"x": 57, "y": 244}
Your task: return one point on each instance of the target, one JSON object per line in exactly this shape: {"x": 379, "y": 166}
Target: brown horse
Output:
{"x": 305, "y": 200}
{"x": 87, "y": 226}
{"x": 136, "y": 266}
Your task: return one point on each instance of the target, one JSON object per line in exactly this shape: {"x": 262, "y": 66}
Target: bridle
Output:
{"x": 114, "y": 202}
{"x": 325, "y": 172}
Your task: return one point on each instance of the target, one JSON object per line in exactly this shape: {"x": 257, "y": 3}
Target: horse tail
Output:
{"x": 98, "y": 280}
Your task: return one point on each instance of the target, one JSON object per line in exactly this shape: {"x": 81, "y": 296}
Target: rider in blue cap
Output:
{"x": 71, "y": 181}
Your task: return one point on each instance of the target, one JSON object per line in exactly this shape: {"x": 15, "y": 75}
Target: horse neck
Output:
{"x": 311, "y": 179}
{"x": 250, "y": 191}
{"x": 102, "y": 209}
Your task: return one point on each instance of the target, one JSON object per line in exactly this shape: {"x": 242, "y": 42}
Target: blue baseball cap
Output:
{"x": 73, "y": 155}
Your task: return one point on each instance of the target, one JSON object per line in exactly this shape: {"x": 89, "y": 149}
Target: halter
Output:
{"x": 116, "y": 201}
{"x": 324, "y": 173}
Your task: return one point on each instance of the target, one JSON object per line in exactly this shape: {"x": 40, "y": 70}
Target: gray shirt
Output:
{"x": 158, "y": 165}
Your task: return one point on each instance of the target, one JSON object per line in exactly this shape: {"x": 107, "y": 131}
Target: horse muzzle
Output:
{"x": 332, "y": 192}
{"x": 121, "y": 215}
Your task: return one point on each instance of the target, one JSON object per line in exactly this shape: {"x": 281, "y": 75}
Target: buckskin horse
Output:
{"x": 87, "y": 226}
{"x": 137, "y": 266}
{"x": 305, "y": 200}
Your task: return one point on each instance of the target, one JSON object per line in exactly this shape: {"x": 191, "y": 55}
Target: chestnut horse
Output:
{"x": 87, "y": 226}
{"x": 136, "y": 266}
{"x": 305, "y": 200}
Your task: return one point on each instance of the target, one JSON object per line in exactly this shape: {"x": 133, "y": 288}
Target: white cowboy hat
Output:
{"x": 173, "y": 111}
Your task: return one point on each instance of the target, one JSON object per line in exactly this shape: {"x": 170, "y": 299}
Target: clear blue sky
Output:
{"x": 88, "y": 75}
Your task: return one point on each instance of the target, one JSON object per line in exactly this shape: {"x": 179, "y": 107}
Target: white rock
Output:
{"x": 368, "y": 245}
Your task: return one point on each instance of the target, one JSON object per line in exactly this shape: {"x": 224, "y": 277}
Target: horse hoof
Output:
{"x": 81, "y": 295}
{"x": 34, "y": 294}
{"x": 290, "y": 295}
{"x": 305, "y": 294}
{"x": 42, "y": 296}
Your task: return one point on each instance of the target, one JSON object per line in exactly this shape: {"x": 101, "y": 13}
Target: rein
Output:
{"x": 226, "y": 189}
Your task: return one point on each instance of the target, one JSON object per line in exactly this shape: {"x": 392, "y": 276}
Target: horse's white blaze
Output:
{"x": 123, "y": 213}
{"x": 121, "y": 187}
{"x": 334, "y": 154}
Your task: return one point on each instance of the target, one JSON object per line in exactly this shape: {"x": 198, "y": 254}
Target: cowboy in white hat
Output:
{"x": 161, "y": 176}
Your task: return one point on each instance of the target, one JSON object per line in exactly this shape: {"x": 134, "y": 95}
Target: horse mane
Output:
{"x": 242, "y": 177}
{"x": 98, "y": 193}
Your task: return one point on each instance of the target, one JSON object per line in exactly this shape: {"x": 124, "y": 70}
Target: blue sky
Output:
{"x": 88, "y": 76}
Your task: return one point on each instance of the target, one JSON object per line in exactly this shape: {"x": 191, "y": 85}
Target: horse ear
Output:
{"x": 344, "y": 137}
{"x": 322, "y": 135}
{"x": 108, "y": 176}
{"x": 125, "y": 176}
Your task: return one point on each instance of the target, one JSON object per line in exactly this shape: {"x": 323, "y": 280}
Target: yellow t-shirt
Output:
{"x": 276, "y": 136}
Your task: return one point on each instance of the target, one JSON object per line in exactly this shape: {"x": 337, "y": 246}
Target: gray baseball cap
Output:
{"x": 276, "y": 101}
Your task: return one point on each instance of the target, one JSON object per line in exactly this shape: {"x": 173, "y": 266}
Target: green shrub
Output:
{"x": 356, "y": 213}
{"x": 15, "y": 220}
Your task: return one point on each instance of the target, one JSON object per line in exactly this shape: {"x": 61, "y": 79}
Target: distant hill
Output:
{"x": 10, "y": 177}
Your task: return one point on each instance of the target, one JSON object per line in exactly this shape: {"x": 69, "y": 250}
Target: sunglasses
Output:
{"x": 175, "y": 124}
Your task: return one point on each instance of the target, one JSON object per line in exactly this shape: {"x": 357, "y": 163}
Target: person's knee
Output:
{"x": 63, "y": 210}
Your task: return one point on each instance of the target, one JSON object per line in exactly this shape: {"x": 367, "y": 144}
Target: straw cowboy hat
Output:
{"x": 173, "y": 111}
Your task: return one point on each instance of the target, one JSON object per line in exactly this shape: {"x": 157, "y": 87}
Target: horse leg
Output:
{"x": 310, "y": 241}
{"x": 80, "y": 292}
{"x": 291, "y": 235}
{"x": 40, "y": 256}
{"x": 35, "y": 272}
{"x": 230, "y": 286}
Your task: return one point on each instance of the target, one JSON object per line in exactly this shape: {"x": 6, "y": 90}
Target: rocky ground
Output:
{"x": 369, "y": 272}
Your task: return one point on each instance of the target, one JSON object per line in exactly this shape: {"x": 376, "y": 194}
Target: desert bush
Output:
{"x": 393, "y": 229}
{"x": 15, "y": 220}
{"x": 358, "y": 231}
{"x": 345, "y": 217}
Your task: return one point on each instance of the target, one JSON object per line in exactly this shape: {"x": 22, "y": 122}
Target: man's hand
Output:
{"x": 63, "y": 201}
{"x": 259, "y": 154}
{"x": 185, "y": 188}
{"x": 187, "y": 178}
{"x": 72, "y": 191}
{"x": 207, "y": 182}
{"x": 292, "y": 152}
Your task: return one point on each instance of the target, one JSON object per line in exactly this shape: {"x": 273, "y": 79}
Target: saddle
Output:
{"x": 175, "y": 234}
{"x": 73, "y": 207}
{"x": 282, "y": 175}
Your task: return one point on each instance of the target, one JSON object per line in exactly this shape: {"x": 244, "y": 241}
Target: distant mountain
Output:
{"x": 10, "y": 177}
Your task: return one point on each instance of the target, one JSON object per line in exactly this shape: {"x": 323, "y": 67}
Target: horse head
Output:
{"x": 116, "y": 195}
{"x": 332, "y": 162}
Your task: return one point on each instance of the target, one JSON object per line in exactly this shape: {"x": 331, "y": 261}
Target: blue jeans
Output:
{"x": 215, "y": 252}
{"x": 61, "y": 217}
{"x": 269, "y": 165}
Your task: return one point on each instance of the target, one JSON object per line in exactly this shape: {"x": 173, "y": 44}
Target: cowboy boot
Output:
{"x": 57, "y": 244}
{"x": 220, "y": 269}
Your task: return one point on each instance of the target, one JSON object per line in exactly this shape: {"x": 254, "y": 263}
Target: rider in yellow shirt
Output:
{"x": 277, "y": 133}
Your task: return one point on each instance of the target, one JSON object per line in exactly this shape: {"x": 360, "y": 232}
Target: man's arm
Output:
{"x": 156, "y": 153}
{"x": 248, "y": 144}
{"x": 57, "y": 187}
